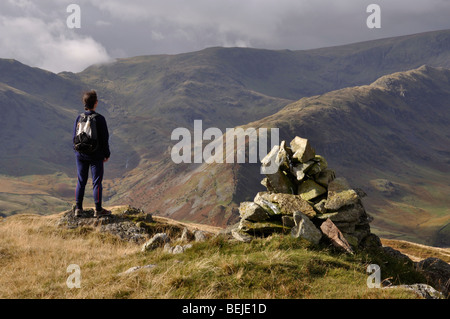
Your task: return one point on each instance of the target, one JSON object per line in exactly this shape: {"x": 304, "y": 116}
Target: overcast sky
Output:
{"x": 36, "y": 32}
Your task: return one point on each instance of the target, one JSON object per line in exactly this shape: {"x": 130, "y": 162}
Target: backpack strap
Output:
{"x": 84, "y": 117}
{"x": 94, "y": 125}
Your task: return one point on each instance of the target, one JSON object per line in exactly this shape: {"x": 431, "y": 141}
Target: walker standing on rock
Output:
{"x": 91, "y": 145}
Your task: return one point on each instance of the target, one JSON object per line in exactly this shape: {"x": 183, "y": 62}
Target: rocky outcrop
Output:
{"x": 156, "y": 241}
{"x": 305, "y": 198}
{"x": 134, "y": 225}
{"x": 422, "y": 290}
{"x": 437, "y": 273}
{"x": 130, "y": 224}
{"x": 163, "y": 240}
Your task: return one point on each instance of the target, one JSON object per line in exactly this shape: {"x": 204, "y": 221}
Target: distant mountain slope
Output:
{"x": 33, "y": 134}
{"x": 49, "y": 87}
{"x": 394, "y": 130}
{"x": 363, "y": 62}
{"x": 226, "y": 87}
{"x": 38, "y": 108}
{"x": 38, "y": 112}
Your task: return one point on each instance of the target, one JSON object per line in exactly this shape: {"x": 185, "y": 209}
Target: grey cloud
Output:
{"x": 274, "y": 24}
{"x": 38, "y": 36}
{"x": 138, "y": 27}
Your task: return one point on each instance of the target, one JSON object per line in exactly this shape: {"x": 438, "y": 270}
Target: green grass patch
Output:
{"x": 278, "y": 267}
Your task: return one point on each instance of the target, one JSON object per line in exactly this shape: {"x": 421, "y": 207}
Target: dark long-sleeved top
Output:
{"x": 102, "y": 151}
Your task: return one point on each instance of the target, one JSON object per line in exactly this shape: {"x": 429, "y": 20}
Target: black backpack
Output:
{"x": 85, "y": 140}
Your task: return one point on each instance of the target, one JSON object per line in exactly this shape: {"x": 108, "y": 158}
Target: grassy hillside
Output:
{"x": 35, "y": 254}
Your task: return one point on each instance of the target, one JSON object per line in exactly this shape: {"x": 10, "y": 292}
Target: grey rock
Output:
{"x": 270, "y": 158}
{"x": 265, "y": 182}
{"x": 371, "y": 241}
{"x": 337, "y": 200}
{"x": 336, "y": 237}
{"x": 178, "y": 249}
{"x": 423, "y": 290}
{"x": 325, "y": 177}
{"x": 304, "y": 228}
{"x": 284, "y": 204}
{"x": 199, "y": 236}
{"x": 361, "y": 232}
{"x": 349, "y": 214}
{"x": 252, "y": 212}
{"x": 365, "y": 219}
{"x": 186, "y": 235}
{"x": 302, "y": 150}
{"x": 130, "y": 270}
{"x": 167, "y": 248}
{"x": 299, "y": 170}
{"x": 308, "y": 190}
{"x": 117, "y": 224}
{"x": 270, "y": 166}
{"x": 348, "y": 228}
{"x": 320, "y": 207}
{"x": 437, "y": 273}
{"x": 241, "y": 235}
{"x": 396, "y": 254}
{"x": 320, "y": 164}
{"x": 261, "y": 228}
{"x": 325, "y": 215}
{"x": 227, "y": 231}
{"x": 125, "y": 230}
{"x": 156, "y": 241}
{"x": 288, "y": 221}
{"x": 136, "y": 268}
{"x": 340, "y": 194}
{"x": 280, "y": 183}
{"x": 283, "y": 157}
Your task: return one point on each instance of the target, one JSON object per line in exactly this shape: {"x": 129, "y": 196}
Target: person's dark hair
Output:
{"x": 89, "y": 99}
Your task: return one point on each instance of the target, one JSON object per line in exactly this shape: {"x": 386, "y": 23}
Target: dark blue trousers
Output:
{"x": 97, "y": 179}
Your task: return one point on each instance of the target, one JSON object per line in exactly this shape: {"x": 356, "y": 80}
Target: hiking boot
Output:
{"x": 102, "y": 213}
{"x": 78, "y": 212}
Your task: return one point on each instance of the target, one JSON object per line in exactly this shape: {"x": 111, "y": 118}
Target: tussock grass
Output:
{"x": 35, "y": 254}
{"x": 418, "y": 252}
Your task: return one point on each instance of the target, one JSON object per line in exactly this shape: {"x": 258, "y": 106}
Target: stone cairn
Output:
{"x": 305, "y": 198}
